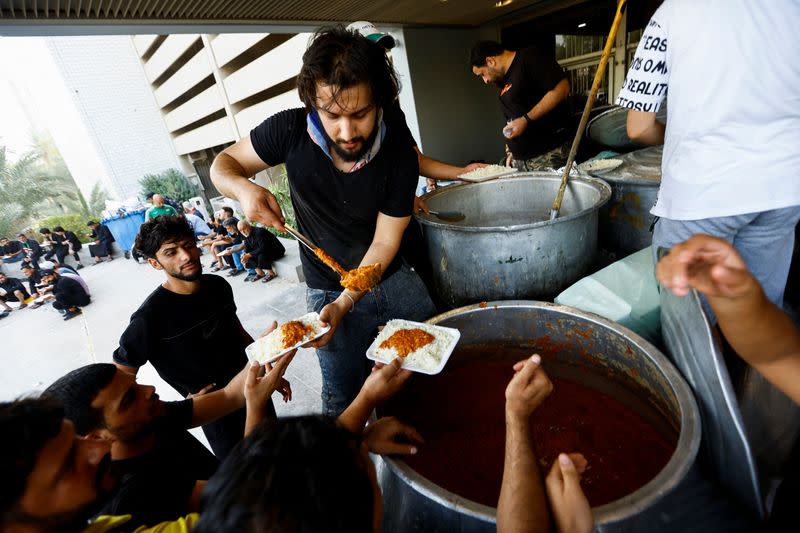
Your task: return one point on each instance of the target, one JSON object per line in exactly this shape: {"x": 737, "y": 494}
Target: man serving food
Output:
{"x": 352, "y": 178}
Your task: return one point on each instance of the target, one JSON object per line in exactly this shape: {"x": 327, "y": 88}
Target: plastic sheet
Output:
{"x": 625, "y": 292}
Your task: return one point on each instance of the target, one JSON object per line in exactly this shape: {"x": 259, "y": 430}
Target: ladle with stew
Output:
{"x": 360, "y": 279}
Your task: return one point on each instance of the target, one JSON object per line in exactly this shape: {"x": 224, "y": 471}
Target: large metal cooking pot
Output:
{"x": 506, "y": 247}
{"x": 625, "y": 220}
{"x": 414, "y": 503}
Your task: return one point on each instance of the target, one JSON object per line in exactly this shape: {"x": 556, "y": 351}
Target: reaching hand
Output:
{"x": 570, "y": 507}
{"x": 527, "y": 389}
{"x": 284, "y": 387}
{"x": 472, "y": 166}
{"x": 204, "y": 390}
{"x": 332, "y": 315}
{"x": 708, "y": 264}
{"x": 257, "y": 390}
{"x": 260, "y": 205}
{"x": 389, "y": 436}
{"x": 420, "y": 206}
{"x": 385, "y": 381}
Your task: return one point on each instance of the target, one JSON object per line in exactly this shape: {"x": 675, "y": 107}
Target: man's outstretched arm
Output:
{"x": 760, "y": 332}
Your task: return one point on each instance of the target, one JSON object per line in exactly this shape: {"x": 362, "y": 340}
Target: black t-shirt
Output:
{"x": 395, "y": 120}
{"x": 11, "y": 248}
{"x": 338, "y": 211}
{"x": 58, "y": 240}
{"x": 69, "y": 290}
{"x": 102, "y": 234}
{"x": 260, "y": 241}
{"x": 156, "y": 486}
{"x": 11, "y": 285}
{"x": 531, "y": 76}
{"x": 191, "y": 339}
{"x": 73, "y": 240}
{"x": 33, "y": 279}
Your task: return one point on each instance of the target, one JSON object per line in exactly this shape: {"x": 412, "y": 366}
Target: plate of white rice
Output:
{"x": 273, "y": 346}
{"x": 488, "y": 172}
{"x": 600, "y": 165}
{"x": 429, "y": 347}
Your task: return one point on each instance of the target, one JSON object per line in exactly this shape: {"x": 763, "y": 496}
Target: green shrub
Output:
{"x": 170, "y": 183}
{"x": 73, "y": 223}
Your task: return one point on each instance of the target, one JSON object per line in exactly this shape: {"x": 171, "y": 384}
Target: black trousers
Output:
{"x": 64, "y": 302}
{"x": 262, "y": 261}
{"x": 100, "y": 250}
{"x": 61, "y": 253}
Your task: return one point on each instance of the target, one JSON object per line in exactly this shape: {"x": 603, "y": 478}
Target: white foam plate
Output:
{"x": 454, "y": 334}
{"x": 499, "y": 173}
{"x": 252, "y": 348}
{"x": 600, "y": 165}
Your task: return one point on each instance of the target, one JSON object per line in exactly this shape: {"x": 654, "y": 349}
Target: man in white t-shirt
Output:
{"x": 731, "y": 165}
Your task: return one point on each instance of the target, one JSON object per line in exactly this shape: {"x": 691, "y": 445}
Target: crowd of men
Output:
{"x": 99, "y": 452}
{"x": 47, "y": 278}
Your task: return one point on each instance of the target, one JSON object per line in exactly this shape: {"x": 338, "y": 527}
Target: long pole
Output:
{"x": 598, "y": 79}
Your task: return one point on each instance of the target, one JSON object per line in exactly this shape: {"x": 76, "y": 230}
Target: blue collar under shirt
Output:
{"x": 316, "y": 132}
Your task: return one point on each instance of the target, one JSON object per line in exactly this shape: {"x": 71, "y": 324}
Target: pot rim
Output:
{"x": 665, "y": 481}
{"x": 597, "y": 183}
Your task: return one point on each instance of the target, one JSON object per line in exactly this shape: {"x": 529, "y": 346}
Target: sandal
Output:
{"x": 268, "y": 278}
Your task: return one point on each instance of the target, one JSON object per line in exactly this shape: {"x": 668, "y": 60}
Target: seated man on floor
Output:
{"x": 102, "y": 246}
{"x": 201, "y": 229}
{"x": 161, "y": 467}
{"x": 232, "y": 253}
{"x": 32, "y": 249}
{"x": 71, "y": 245}
{"x": 34, "y": 277}
{"x": 12, "y": 290}
{"x": 10, "y": 251}
{"x": 261, "y": 248}
{"x": 69, "y": 294}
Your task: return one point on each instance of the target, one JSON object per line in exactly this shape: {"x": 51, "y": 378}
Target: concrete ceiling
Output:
{"x": 272, "y": 12}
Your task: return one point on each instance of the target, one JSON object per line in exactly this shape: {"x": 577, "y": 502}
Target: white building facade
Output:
{"x": 115, "y": 103}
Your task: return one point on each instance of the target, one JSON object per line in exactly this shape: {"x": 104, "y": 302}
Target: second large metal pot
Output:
{"x": 625, "y": 221}
{"x": 581, "y": 340}
{"x": 506, "y": 247}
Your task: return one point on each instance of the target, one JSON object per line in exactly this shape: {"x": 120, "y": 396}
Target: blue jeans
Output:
{"x": 14, "y": 259}
{"x": 765, "y": 241}
{"x": 237, "y": 259}
{"x": 343, "y": 361}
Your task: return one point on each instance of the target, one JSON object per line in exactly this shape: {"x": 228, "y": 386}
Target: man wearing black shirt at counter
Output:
{"x": 533, "y": 92}
{"x": 188, "y": 328}
{"x": 352, "y": 178}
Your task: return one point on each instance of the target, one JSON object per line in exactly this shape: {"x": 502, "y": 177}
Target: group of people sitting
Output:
{"x": 239, "y": 246}
{"x": 48, "y": 276}
{"x": 61, "y": 285}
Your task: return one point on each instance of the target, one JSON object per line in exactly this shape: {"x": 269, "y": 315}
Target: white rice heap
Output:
{"x": 597, "y": 165}
{"x": 272, "y": 344}
{"x": 426, "y": 358}
{"x": 485, "y": 172}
